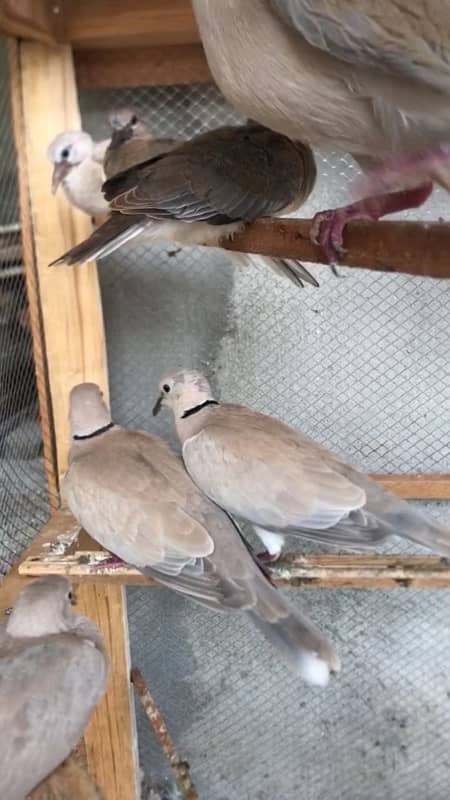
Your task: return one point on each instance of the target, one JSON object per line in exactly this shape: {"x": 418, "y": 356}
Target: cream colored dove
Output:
{"x": 283, "y": 483}
{"x": 366, "y": 76}
{"x": 131, "y": 493}
{"x": 203, "y": 191}
{"x": 79, "y": 173}
{"x": 53, "y": 672}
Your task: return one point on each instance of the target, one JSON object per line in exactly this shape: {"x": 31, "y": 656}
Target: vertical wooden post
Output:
{"x": 73, "y": 337}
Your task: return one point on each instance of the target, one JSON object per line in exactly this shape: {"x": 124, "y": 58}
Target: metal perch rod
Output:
{"x": 180, "y": 767}
{"x": 415, "y": 248}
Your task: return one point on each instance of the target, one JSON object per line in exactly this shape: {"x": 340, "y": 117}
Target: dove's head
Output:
{"x": 127, "y": 118}
{"x": 66, "y": 151}
{"x": 182, "y": 392}
{"x": 43, "y": 607}
{"x": 89, "y": 413}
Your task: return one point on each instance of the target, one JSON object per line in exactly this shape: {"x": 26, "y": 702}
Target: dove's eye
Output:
{"x": 166, "y": 387}
{"x": 65, "y": 153}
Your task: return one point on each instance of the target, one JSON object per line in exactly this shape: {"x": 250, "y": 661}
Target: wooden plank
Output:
{"x": 114, "y": 23}
{"x": 75, "y": 351}
{"x": 70, "y": 299}
{"x": 336, "y": 571}
{"x": 141, "y": 66}
{"x": 26, "y": 242}
{"x": 29, "y": 19}
{"x": 414, "y": 248}
{"x": 417, "y": 487}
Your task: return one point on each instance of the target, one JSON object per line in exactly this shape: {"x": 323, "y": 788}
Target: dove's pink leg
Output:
{"x": 328, "y": 226}
{"x": 412, "y": 169}
{"x": 112, "y": 562}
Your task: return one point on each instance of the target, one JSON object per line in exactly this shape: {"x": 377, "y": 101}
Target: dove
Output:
{"x": 365, "y": 76}
{"x": 75, "y": 168}
{"x": 203, "y": 191}
{"x": 53, "y": 672}
{"x": 132, "y": 494}
{"x": 131, "y": 143}
{"x": 268, "y": 474}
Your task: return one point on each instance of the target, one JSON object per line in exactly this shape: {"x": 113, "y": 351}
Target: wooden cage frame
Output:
{"x": 54, "y": 47}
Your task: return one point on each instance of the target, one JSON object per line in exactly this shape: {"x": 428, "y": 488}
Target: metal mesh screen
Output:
{"x": 23, "y": 491}
{"x": 361, "y": 364}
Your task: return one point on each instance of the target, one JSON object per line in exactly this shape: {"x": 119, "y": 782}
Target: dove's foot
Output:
{"x": 328, "y": 227}
{"x": 110, "y": 563}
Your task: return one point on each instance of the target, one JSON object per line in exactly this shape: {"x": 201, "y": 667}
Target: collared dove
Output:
{"x": 205, "y": 190}
{"x": 132, "y": 493}
{"x": 366, "y": 76}
{"x": 266, "y": 473}
{"x": 53, "y": 672}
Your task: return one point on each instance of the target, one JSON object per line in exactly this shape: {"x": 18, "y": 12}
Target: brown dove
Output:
{"x": 131, "y": 143}
{"x": 131, "y": 493}
{"x": 53, "y": 672}
{"x": 266, "y": 473}
{"x": 366, "y": 76}
{"x": 203, "y": 191}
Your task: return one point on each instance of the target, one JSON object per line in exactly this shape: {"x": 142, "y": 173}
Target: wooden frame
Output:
{"x": 68, "y": 326}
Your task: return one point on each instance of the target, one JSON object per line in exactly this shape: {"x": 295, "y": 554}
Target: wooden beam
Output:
{"x": 337, "y": 571}
{"x": 29, "y": 19}
{"x": 115, "y": 23}
{"x": 141, "y": 66}
{"x": 75, "y": 351}
{"x": 414, "y": 248}
{"x": 417, "y": 487}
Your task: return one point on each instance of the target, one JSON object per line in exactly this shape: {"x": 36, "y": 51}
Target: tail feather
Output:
{"x": 117, "y": 230}
{"x": 305, "y": 650}
{"x": 288, "y": 268}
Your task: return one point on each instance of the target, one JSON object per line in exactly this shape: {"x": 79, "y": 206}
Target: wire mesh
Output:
{"x": 362, "y": 365}
{"x": 23, "y": 492}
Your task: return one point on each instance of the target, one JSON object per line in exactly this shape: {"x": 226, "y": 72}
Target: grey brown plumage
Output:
{"x": 209, "y": 187}
{"x": 130, "y": 491}
{"x": 266, "y": 473}
{"x": 53, "y": 671}
{"x": 369, "y": 78}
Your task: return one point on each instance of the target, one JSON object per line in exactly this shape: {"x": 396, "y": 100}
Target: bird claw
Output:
{"x": 327, "y": 232}
{"x": 110, "y": 563}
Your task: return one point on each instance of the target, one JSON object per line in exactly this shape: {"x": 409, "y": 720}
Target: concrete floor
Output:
{"x": 361, "y": 364}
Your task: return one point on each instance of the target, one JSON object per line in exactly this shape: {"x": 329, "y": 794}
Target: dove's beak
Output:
{"x": 60, "y": 171}
{"x": 158, "y": 405}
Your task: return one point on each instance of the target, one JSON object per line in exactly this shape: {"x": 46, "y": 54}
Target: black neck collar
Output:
{"x": 194, "y": 410}
{"x": 99, "y": 431}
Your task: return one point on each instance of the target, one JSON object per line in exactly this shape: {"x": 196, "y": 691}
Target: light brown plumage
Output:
{"x": 131, "y": 493}
{"x": 370, "y": 78}
{"x": 53, "y": 671}
{"x": 203, "y": 190}
{"x": 262, "y": 471}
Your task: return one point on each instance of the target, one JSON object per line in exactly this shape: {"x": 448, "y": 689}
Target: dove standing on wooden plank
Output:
{"x": 131, "y": 493}
{"x": 266, "y": 473}
{"x": 53, "y": 672}
{"x": 366, "y": 76}
{"x": 205, "y": 190}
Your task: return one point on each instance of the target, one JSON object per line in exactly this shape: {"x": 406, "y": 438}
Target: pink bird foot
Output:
{"x": 328, "y": 227}
{"x": 110, "y": 563}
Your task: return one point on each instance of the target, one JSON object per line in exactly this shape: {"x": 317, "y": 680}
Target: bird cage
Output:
{"x": 360, "y": 364}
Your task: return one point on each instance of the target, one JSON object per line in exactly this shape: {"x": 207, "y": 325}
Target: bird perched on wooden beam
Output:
{"x": 53, "y": 670}
{"x": 283, "y": 483}
{"x": 131, "y": 493}
{"x": 365, "y": 76}
{"x": 203, "y": 191}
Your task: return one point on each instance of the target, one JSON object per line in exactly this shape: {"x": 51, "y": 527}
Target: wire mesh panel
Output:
{"x": 362, "y": 365}
{"x": 23, "y": 491}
